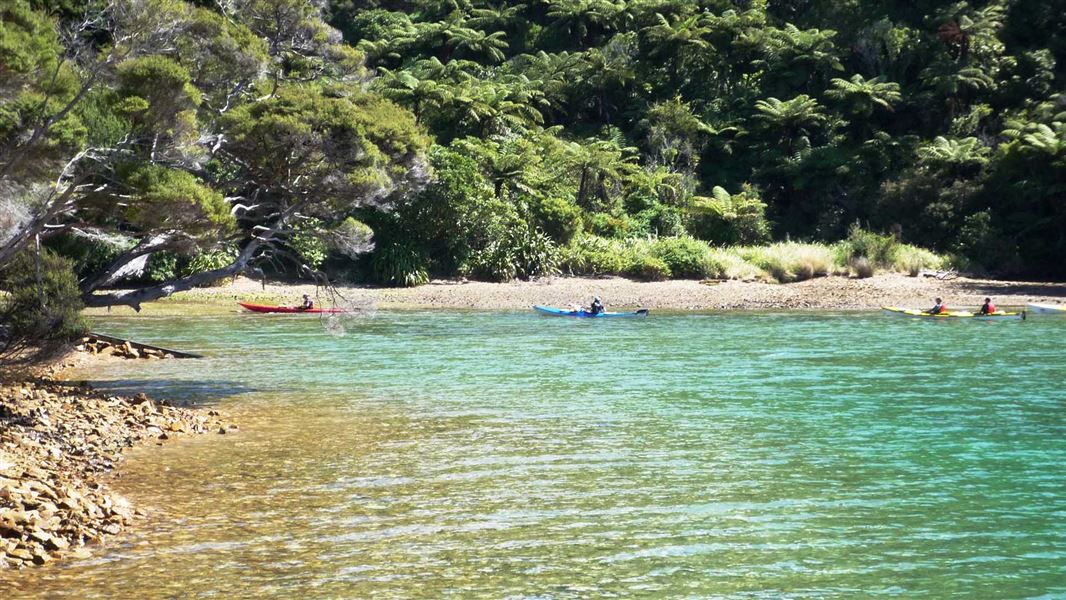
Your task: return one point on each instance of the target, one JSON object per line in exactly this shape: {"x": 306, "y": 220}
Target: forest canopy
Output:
{"x": 162, "y": 144}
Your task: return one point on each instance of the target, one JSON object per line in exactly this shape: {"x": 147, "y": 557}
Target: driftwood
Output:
{"x": 99, "y": 342}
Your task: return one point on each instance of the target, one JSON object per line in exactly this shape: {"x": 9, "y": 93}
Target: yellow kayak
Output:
{"x": 954, "y": 314}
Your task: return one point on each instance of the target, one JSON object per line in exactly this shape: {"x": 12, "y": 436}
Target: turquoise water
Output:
{"x": 509, "y": 455}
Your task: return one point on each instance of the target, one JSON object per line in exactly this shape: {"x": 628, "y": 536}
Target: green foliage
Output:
{"x": 686, "y": 257}
{"x": 592, "y": 255}
{"x": 307, "y": 241}
{"x": 341, "y": 152}
{"x": 875, "y": 248}
{"x": 559, "y": 218}
{"x": 522, "y": 253}
{"x": 41, "y": 309}
{"x": 161, "y": 266}
{"x": 790, "y": 261}
{"x": 90, "y": 255}
{"x": 210, "y": 260}
{"x": 647, "y": 268}
{"x": 731, "y": 122}
{"x": 730, "y": 219}
{"x": 400, "y": 265}
{"x": 169, "y": 199}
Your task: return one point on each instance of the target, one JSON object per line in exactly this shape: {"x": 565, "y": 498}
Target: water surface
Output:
{"x": 509, "y": 455}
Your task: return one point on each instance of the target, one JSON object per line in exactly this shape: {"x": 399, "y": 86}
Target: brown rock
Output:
{"x": 80, "y": 553}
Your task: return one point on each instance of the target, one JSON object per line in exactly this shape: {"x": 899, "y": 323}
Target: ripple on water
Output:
{"x": 504, "y": 455}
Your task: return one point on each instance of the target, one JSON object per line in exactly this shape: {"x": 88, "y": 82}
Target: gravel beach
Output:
{"x": 824, "y": 293}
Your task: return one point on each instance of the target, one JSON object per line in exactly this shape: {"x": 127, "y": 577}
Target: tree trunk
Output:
{"x": 134, "y": 298}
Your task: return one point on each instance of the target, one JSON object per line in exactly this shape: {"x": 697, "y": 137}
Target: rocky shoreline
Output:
{"x": 58, "y": 440}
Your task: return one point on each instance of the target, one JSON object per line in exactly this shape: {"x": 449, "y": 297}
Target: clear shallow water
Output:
{"x": 508, "y": 455}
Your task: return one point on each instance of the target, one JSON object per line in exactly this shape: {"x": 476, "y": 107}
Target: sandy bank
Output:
{"x": 824, "y": 293}
{"x": 57, "y": 443}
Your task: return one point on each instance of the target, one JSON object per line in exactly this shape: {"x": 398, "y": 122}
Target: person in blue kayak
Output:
{"x": 596, "y": 307}
{"x": 308, "y": 303}
{"x": 987, "y": 308}
{"x": 937, "y": 308}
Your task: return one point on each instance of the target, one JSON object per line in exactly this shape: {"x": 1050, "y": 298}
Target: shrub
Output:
{"x": 734, "y": 266}
{"x": 791, "y": 261}
{"x": 523, "y": 252}
{"x": 661, "y": 220}
{"x": 492, "y": 263}
{"x": 591, "y": 255}
{"x": 41, "y": 313}
{"x": 912, "y": 259}
{"x": 874, "y": 247}
{"x": 610, "y": 226}
{"x": 161, "y": 266}
{"x": 686, "y": 257}
{"x": 400, "y": 265}
{"x": 208, "y": 261}
{"x": 863, "y": 267}
{"x": 986, "y": 246}
{"x": 730, "y": 219}
{"x": 535, "y": 254}
{"x": 647, "y": 268}
{"x": 557, "y": 217}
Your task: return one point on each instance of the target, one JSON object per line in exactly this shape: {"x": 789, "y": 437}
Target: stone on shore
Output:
{"x": 56, "y": 440}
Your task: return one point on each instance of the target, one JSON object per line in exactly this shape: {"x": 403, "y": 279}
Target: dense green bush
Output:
{"x": 686, "y": 257}
{"x": 591, "y": 255}
{"x": 161, "y": 266}
{"x": 730, "y": 219}
{"x": 610, "y": 225}
{"x": 209, "y": 260}
{"x": 647, "y": 268}
{"x": 522, "y": 253}
{"x": 557, "y": 217}
{"x": 400, "y": 265}
{"x": 41, "y": 309}
{"x": 876, "y": 248}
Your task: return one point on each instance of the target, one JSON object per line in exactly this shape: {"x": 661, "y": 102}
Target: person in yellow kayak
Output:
{"x": 308, "y": 303}
{"x": 987, "y": 308}
{"x": 938, "y": 308}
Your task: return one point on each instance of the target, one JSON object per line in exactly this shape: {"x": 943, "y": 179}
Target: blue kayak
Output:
{"x": 584, "y": 314}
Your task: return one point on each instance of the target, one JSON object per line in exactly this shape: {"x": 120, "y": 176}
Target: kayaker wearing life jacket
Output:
{"x": 308, "y": 303}
{"x": 596, "y": 307}
{"x": 987, "y": 308}
{"x": 938, "y": 308}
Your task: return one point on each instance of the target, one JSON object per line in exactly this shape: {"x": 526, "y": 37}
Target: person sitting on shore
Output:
{"x": 987, "y": 308}
{"x": 596, "y": 307}
{"x": 938, "y": 308}
{"x": 308, "y": 303}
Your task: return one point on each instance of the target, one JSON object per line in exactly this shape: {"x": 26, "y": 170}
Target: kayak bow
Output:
{"x": 263, "y": 308}
{"x": 999, "y": 315}
{"x": 584, "y": 314}
{"x": 1047, "y": 309}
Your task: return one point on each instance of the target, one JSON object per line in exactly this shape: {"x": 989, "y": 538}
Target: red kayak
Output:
{"x": 263, "y": 308}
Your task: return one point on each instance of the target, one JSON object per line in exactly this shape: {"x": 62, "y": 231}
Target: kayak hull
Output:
{"x": 264, "y": 308}
{"x": 954, "y": 314}
{"x": 1047, "y": 309}
{"x": 583, "y": 314}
